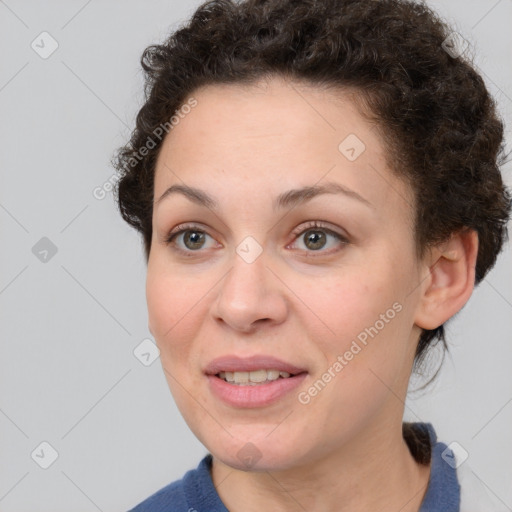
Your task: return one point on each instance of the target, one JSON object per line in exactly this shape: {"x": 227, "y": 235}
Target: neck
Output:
{"x": 376, "y": 472}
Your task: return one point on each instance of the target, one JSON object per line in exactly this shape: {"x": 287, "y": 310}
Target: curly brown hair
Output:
{"x": 433, "y": 110}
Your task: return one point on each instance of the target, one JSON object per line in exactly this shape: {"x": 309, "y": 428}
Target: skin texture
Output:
{"x": 245, "y": 145}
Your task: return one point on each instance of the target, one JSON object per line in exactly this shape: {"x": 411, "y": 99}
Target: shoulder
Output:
{"x": 195, "y": 491}
{"x": 453, "y": 486}
{"x": 443, "y": 491}
{"x": 172, "y": 494}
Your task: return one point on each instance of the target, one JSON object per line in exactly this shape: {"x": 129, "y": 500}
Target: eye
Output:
{"x": 193, "y": 238}
{"x": 315, "y": 238}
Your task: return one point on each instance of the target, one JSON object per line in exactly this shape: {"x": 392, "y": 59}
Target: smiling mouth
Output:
{"x": 252, "y": 382}
{"x": 253, "y": 378}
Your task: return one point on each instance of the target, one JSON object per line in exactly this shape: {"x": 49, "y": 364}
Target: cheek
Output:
{"x": 368, "y": 322}
{"x": 173, "y": 303}
{"x": 174, "y": 311}
{"x": 161, "y": 303}
{"x": 352, "y": 303}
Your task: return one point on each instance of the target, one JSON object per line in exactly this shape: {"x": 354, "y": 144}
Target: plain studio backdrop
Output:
{"x": 74, "y": 397}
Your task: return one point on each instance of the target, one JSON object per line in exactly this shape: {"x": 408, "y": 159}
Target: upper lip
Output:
{"x": 232, "y": 363}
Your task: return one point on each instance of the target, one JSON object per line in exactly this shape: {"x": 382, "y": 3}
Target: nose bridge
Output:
{"x": 249, "y": 292}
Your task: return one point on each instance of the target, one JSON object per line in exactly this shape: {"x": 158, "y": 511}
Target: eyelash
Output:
{"x": 310, "y": 226}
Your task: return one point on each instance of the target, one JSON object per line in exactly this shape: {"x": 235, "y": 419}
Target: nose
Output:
{"x": 251, "y": 294}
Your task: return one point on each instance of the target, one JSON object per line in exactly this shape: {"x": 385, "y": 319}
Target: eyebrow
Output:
{"x": 285, "y": 200}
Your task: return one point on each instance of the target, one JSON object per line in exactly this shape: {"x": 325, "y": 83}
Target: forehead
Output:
{"x": 276, "y": 135}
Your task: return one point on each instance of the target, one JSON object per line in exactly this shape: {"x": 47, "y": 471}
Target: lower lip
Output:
{"x": 259, "y": 395}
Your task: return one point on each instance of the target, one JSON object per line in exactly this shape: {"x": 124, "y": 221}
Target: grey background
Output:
{"x": 68, "y": 375}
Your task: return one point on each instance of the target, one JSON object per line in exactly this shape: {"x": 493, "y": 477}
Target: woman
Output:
{"x": 318, "y": 191}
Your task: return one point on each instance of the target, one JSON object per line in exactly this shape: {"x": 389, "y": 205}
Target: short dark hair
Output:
{"x": 440, "y": 125}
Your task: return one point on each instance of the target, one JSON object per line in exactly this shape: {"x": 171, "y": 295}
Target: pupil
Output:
{"x": 195, "y": 238}
{"x": 316, "y": 237}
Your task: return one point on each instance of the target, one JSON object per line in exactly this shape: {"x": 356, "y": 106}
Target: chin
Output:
{"x": 258, "y": 453}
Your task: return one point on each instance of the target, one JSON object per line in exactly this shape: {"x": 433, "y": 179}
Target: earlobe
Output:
{"x": 451, "y": 267}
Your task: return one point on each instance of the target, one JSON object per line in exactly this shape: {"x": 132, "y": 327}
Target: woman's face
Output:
{"x": 266, "y": 281}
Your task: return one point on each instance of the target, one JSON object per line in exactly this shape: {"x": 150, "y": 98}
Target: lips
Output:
{"x": 239, "y": 382}
{"x": 250, "y": 364}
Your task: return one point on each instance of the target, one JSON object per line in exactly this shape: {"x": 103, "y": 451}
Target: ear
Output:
{"x": 450, "y": 281}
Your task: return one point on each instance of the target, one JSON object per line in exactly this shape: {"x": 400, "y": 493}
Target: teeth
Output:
{"x": 258, "y": 376}
{"x": 272, "y": 374}
{"x": 241, "y": 377}
{"x": 253, "y": 378}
